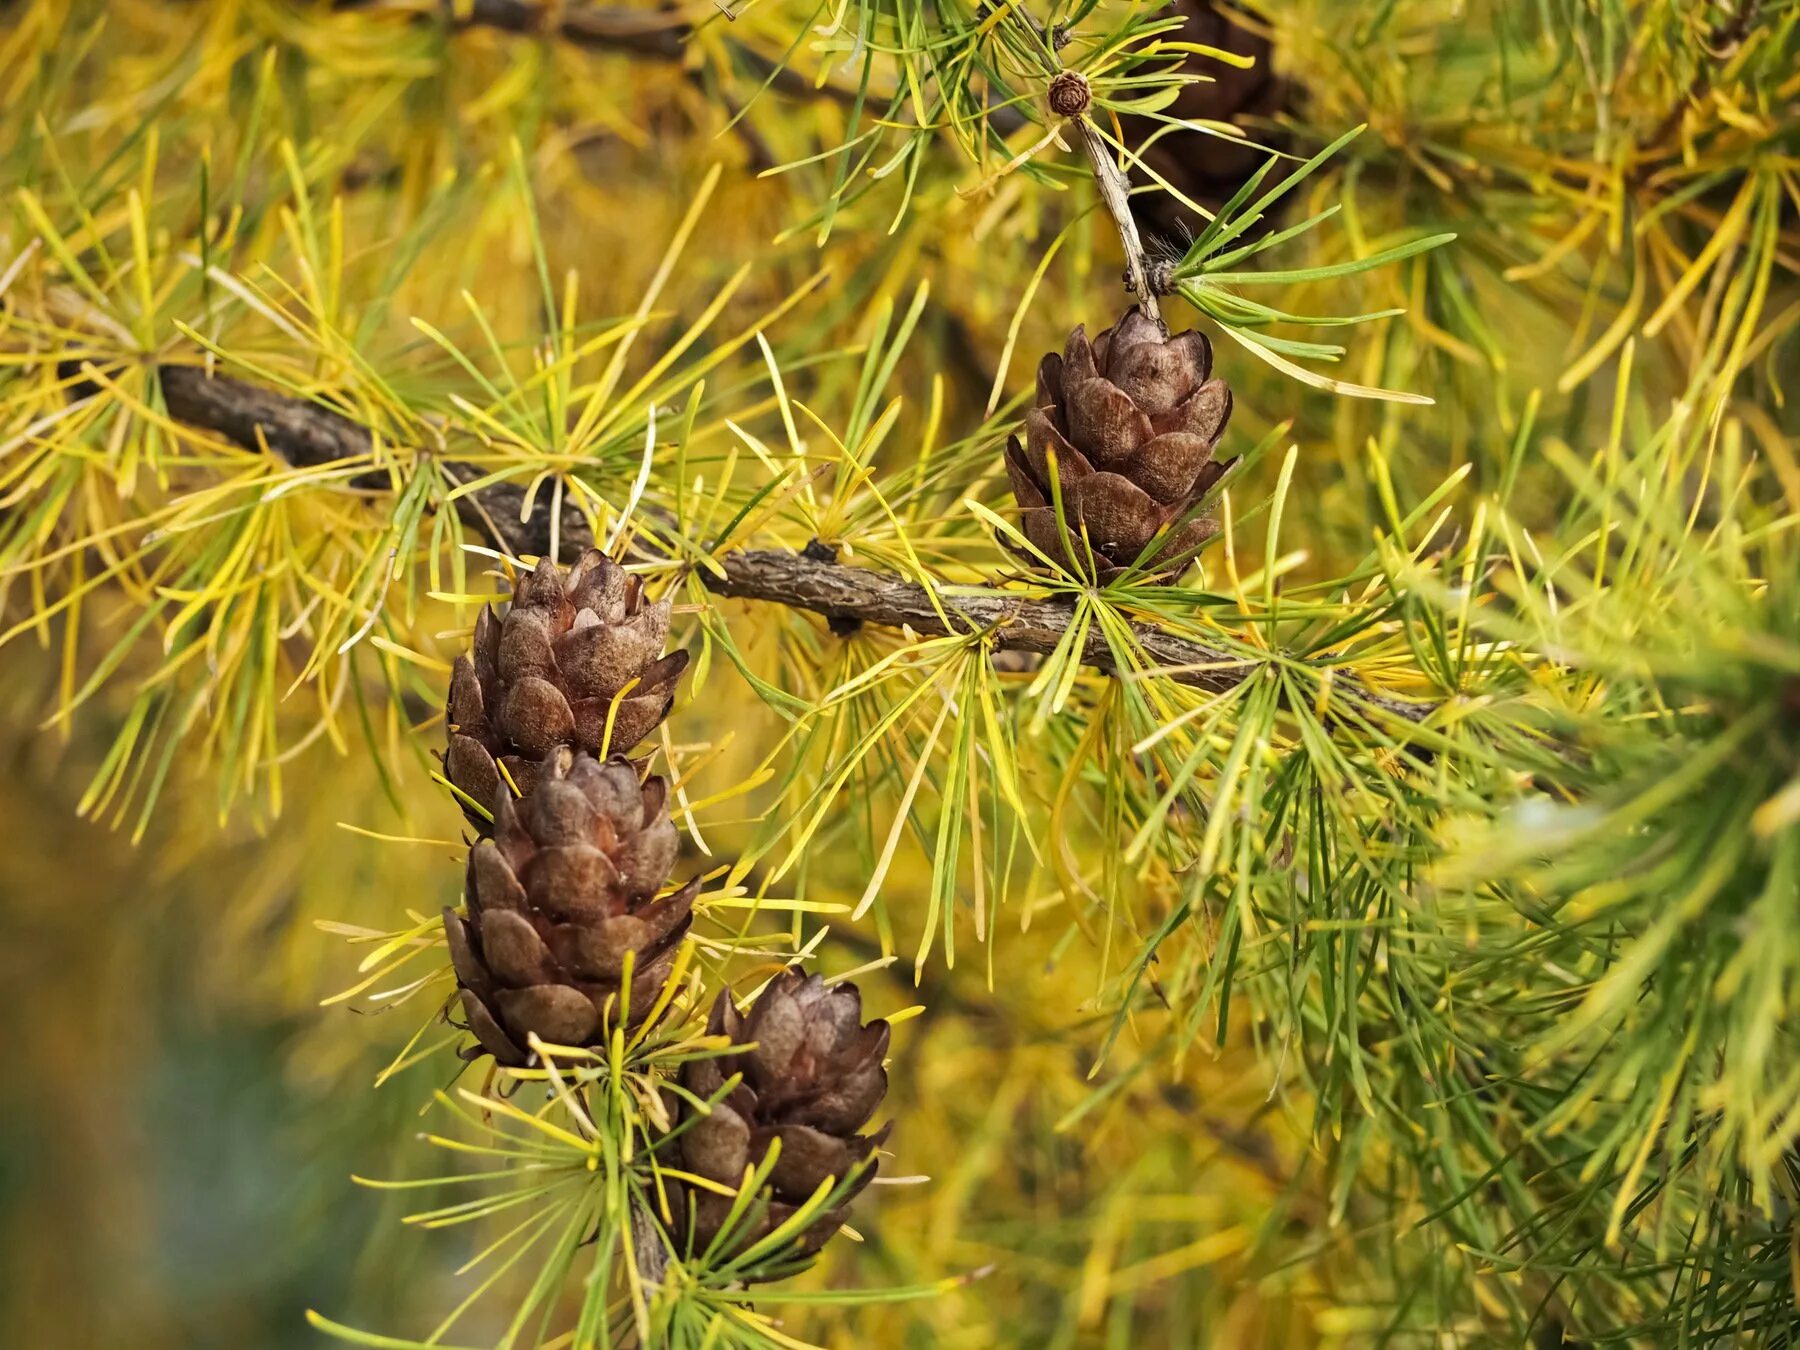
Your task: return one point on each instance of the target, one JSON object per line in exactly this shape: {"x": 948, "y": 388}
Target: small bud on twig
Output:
{"x": 1070, "y": 95}
{"x": 1159, "y": 273}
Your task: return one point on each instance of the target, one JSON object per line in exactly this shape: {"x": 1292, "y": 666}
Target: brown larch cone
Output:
{"x": 1131, "y": 419}
{"x": 812, "y": 1079}
{"x": 1206, "y": 167}
{"x": 549, "y": 672}
{"x": 558, "y": 898}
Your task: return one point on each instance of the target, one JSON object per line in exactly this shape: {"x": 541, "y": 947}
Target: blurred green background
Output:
{"x": 176, "y": 1136}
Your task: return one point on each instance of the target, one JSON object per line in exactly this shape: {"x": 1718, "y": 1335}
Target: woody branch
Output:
{"x": 308, "y": 434}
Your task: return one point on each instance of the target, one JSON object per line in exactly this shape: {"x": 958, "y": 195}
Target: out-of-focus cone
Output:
{"x": 1206, "y": 167}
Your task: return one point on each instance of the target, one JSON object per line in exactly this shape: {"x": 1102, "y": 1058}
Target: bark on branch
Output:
{"x": 310, "y": 435}
{"x": 1115, "y": 195}
{"x": 306, "y": 435}
{"x": 1018, "y": 623}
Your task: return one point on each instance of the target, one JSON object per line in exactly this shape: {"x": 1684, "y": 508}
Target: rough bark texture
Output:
{"x": 1020, "y": 624}
{"x": 305, "y": 434}
{"x": 309, "y": 434}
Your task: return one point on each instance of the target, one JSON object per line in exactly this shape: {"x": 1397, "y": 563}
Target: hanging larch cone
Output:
{"x": 812, "y": 1077}
{"x": 550, "y": 671}
{"x": 1131, "y": 420}
{"x": 558, "y": 898}
{"x": 1205, "y": 166}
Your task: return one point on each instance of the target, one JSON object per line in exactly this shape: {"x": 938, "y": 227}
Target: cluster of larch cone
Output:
{"x": 569, "y": 927}
{"x": 568, "y": 930}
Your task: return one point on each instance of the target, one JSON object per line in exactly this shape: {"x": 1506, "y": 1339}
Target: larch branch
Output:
{"x": 310, "y": 435}
{"x": 1113, "y": 183}
{"x": 1115, "y": 193}
{"x": 1017, "y": 622}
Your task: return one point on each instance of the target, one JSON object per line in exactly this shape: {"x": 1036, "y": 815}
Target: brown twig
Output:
{"x": 1115, "y": 193}
{"x": 647, "y": 1247}
{"x": 1017, "y": 623}
{"x": 310, "y": 435}
{"x": 306, "y": 435}
{"x": 1114, "y": 184}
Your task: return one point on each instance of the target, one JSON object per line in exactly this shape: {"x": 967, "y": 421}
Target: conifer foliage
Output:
{"x": 1278, "y": 824}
